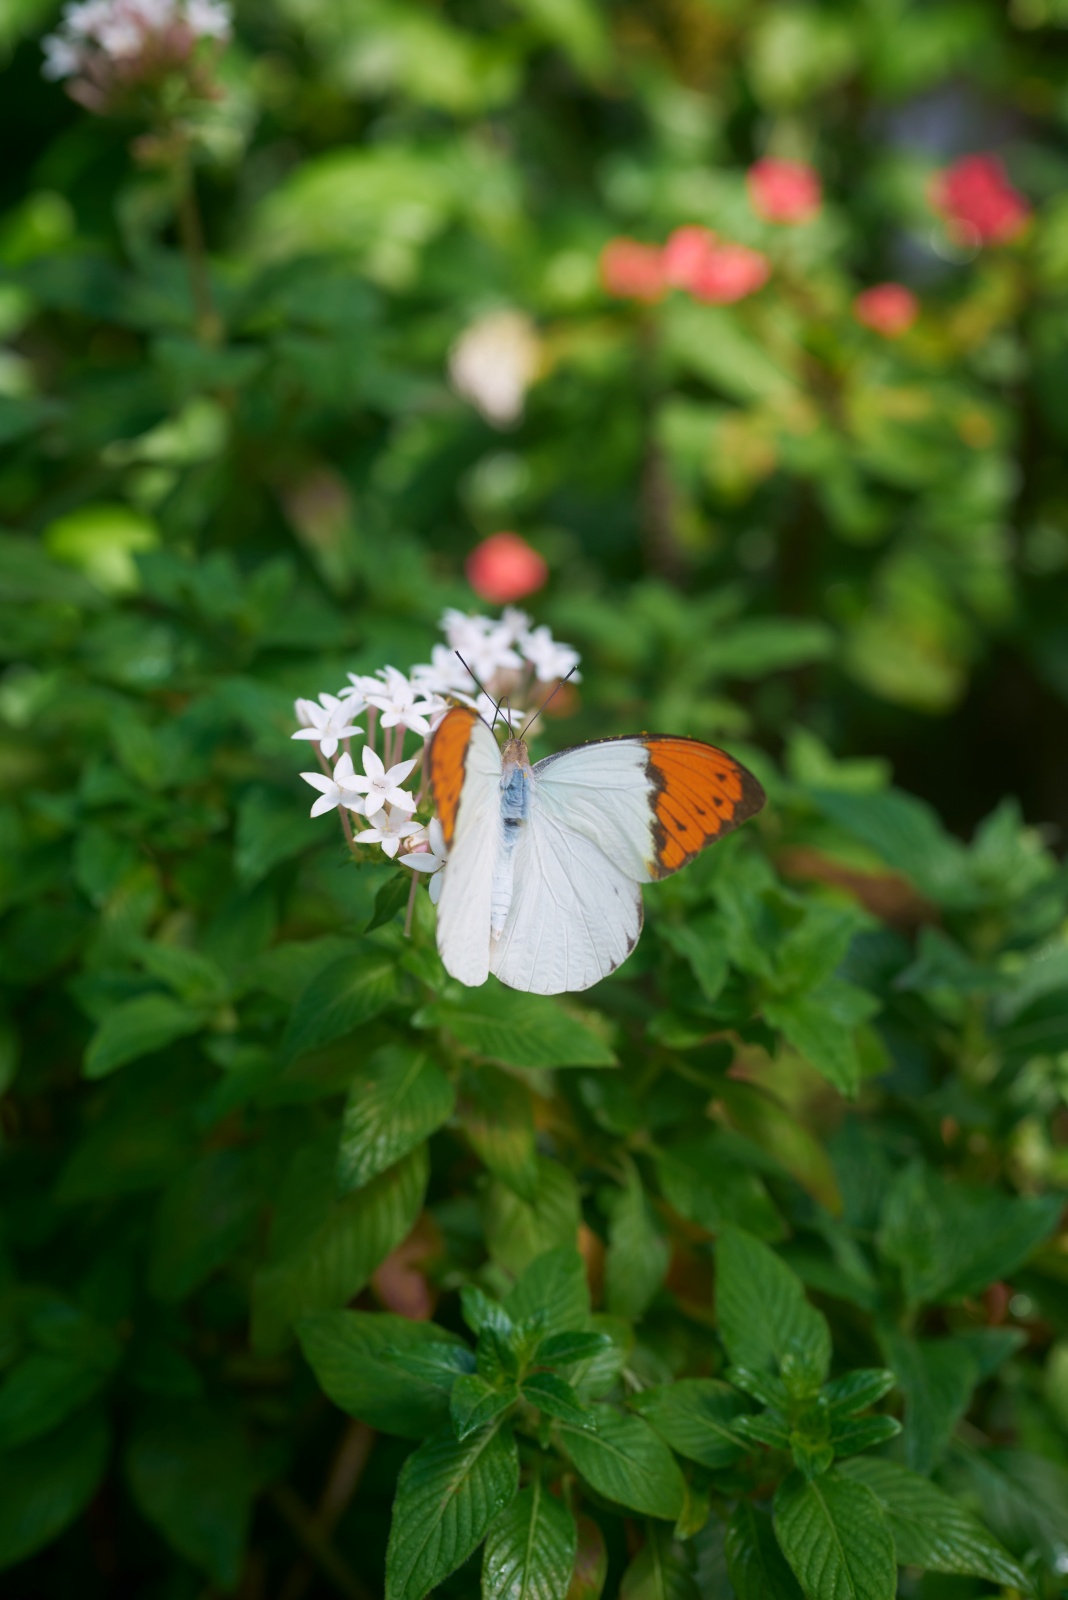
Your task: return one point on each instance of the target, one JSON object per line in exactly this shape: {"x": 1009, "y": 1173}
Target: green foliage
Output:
{"x": 741, "y": 1276}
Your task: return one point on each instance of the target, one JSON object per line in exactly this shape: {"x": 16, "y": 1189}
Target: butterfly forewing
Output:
{"x": 464, "y": 768}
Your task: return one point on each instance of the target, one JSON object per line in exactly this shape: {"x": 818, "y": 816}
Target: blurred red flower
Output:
{"x": 784, "y": 191}
{"x": 504, "y": 568}
{"x": 632, "y": 270}
{"x": 729, "y": 273}
{"x": 685, "y": 253}
{"x": 889, "y": 308}
{"x": 978, "y": 202}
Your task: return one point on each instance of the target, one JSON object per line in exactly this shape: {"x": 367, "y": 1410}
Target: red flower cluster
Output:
{"x": 695, "y": 259}
{"x": 784, "y": 191}
{"x": 978, "y": 202}
{"x": 504, "y": 568}
{"x": 889, "y": 308}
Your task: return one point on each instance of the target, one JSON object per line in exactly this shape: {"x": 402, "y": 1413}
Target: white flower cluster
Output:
{"x": 98, "y": 35}
{"x": 507, "y": 657}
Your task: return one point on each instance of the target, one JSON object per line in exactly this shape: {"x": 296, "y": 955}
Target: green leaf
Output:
{"x": 520, "y": 1030}
{"x": 448, "y": 1496}
{"x": 341, "y": 999}
{"x": 48, "y": 1484}
{"x": 822, "y": 1026}
{"x": 937, "y": 1378}
{"x": 854, "y": 1434}
{"x": 396, "y": 1101}
{"x": 137, "y": 1028}
{"x": 951, "y": 1241}
{"x": 556, "y": 1398}
{"x": 555, "y": 1288}
{"x": 637, "y": 1257}
{"x": 856, "y": 1391}
{"x": 42, "y": 1389}
{"x": 561, "y": 1349}
{"x": 757, "y": 1568}
{"x": 932, "y": 1530}
{"x": 271, "y": 828}
{"x": 390, "y": 899}
{"x": 762, "y": 1311}
{"x": 474, "y": 1403}
{"x": 518, "y": 1232}
{"x": 205, "y": 1215}
{"x": 530, "y": 1549}
{"x": 835, "y": 1537}
{"x": 695, "y": 1416}
{"x": 193, "y": 1475}
{"x": 497, "y": 1119}
{"x": 908, "y": 836}
{"x": 659, "y": 1571}
{"x": 626, "y": 1461}
{"x": 353, "y": 1355}
{"x": 331, "y": 1259}
{"x": 703, "y": 1185}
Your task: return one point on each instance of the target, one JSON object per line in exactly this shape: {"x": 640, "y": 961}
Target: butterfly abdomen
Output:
{"x": 515, "y": 808}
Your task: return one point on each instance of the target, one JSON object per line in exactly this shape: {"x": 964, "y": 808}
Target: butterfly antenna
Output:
{"x": 545, "y": 702}
{"x": 497, "y": 706}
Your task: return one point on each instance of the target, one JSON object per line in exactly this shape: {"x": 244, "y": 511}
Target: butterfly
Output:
{"x": 542, "y": 884}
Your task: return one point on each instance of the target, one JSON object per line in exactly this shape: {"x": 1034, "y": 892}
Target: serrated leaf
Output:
{"x": 520, "y": 1030}
{"x": 696, "y": 1417}
{"x": 851, "y": 1436}
{"x": 757, "y": 1568}
{"x": 49, "y": 1482}
{"x": 138, "y": 1028}
{"x": 341, "y": 999}
{"x": 561, "y": 1349}
{"x": 397, "y": 1099}
{"x": 192, "y": 1472}
{"x": 555, "y": 1286}
{"x": 354, "y": 1356}
{"x": 762, "y": 1312}
{"x": 448, "y": 1495}
{"x": 497, "y": 1119}
{"x": 637, "y": 1256}
{"x": 518, "y": 1232}
{"x": 626, "y": 1461}
{"x": 856, "y": 1391}
{"x": 834, "y": 1535}
{"x": 659, "y": 1571}
{"x": 334, "y": 1258}
{"x": 530, "y": 1549}
{"x": 594, "y": 1377}
{"x": 474, "y": 1403}
{"x": 556, "y": 1398}
{"x": 932, "y": 1530}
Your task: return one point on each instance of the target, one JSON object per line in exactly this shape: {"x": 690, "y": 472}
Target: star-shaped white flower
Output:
{"x": 382, "y": 786}
{"x": 389, "y": 826}
{"x": 431, "y": 858}
{"x": 396, "y": 700}
{"x": 485, "y": 644}
{"x": 335, "y": 791}
{"x": 328, "y": 722}
{"x": 547, "y": 656}
{"x": 444, "y": 673}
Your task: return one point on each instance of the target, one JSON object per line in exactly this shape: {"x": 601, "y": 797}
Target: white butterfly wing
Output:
{"x": 464, "y": 765}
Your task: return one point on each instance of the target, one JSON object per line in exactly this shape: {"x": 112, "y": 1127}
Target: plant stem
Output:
{"x": 191, "y": 233}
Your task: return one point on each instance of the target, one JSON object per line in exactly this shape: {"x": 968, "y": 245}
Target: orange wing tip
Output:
{"x": 699, "y": 794}
{"x": 446, "y": 755}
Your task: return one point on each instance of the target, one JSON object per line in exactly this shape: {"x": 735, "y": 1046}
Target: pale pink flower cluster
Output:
{"x": 503, "y": 659}
{"x": 107, "y": 46}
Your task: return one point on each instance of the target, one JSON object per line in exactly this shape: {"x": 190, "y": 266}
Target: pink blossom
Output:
{"x": 784, "y": 191}
{"x": 631, "y": 270}
{"x": 729, "y": 273}
{"x": 504, "y": 568}
{"x": 978, "y": 202}
{"x": 685, "y": 253}
{"x": 889, "y": 308}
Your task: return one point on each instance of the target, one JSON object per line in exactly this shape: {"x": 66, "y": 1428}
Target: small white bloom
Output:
{"x": 396, "y": 700}
{"x": 444, "y": 673}
{"x": 517, "y": 623}
{"x": 431, "y": 859}
{"x": 488, "y": 709}
{"x": 549, "y": 658}
{"x": 485, "y": 645}
{"x": 209, "y": 19}
{"x": 382, "y": 786}
{"x": 494, "y": 362}
{"x": 334, "y": 791}
{"x": 62, "y": 58}
{"x": 389, "y": 826}
{"x": 304, "y": 711}
{"x": 330, "y": 722}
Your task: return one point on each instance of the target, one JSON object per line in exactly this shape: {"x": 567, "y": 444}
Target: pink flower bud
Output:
{"x": 632, "y": 271}
{"x": 889, "y": 308}
{"x": 978, "y": 202}
{"x": 729, "y": 273}
{"x": 685, "y": 254}
{"x": 504, "y": 568}
{"x": 784, "y": 191}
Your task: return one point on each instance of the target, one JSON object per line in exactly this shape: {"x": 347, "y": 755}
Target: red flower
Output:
{"x": 631, "y": 270}
{"x": 978, "y": 202}
{"x": 504, "y": 568}
{"x": 889, "y": 308}
{"x": 784, "y": 191}
{"x": 729, "y": 273}
{"x": 685, "y": 254}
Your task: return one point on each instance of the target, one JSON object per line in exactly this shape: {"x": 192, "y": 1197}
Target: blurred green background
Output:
{"x": 841, "y": 552}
